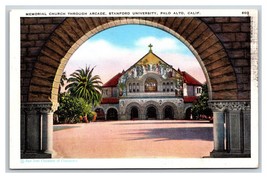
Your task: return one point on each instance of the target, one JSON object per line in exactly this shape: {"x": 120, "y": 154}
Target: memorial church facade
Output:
{"x": 149, "y": 89}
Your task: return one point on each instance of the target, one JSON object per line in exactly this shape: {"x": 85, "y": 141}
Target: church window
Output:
{"x": 151, "y": 85}
{"x": 198, "y": 90}
{"x": 134, "y": 87}
{"x": 130, "y": 87}
{"x": 171, "y": 86}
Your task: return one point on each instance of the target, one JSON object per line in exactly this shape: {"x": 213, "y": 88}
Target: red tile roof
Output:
{"x": 189, "y": 80}
{"x": 110, "y": 100}
{"x": 113, "y": 82}
{"x": 189, "y": 99}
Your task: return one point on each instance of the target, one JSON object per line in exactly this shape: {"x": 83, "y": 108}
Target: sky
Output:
{"x": 116, "y": 49}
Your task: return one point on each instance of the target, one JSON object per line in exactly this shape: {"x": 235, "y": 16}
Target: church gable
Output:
{"x": 150, "y": 58}
{"x": 150, "y": 63}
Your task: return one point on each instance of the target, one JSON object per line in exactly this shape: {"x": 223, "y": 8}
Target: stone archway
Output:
{"x": 128, "y": 110}
{"x": 112, "y": 114}
{"x": 188, "y": 113}
{"x": 174, "y": 111}
{"x": 221, "y": 45}
{"x": 151, "y": 85}
{"x": 100, "y": 113}
{"x": 151, "y": 112}
{"x": 134, "y": 113}
{"x": 168, "y": 112}
{"x": 67, "y": 36}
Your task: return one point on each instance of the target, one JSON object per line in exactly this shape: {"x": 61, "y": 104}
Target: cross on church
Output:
{"x": 150, "y": 47}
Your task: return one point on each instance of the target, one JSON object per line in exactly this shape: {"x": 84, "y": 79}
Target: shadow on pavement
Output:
{"x": 184, "y": 133}
{"x": 157, "y": 122}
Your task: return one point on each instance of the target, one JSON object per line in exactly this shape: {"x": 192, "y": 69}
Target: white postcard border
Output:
{"x": 14, "y": 122}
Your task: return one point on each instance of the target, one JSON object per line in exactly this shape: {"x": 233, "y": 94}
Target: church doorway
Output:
{"x": 112, "y": 114}
{"x": 168, "y": 112}
{"x": 100, "y": 114}
{"x": 134, "y": 113}
{"x": 151, "y": 113}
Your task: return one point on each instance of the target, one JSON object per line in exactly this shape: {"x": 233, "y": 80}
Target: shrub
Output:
{"x": 71, "y": 108}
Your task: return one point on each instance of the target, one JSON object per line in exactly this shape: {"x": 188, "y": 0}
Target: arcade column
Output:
{"x": 231, "y": 128}
{"x": 37, "y": 130}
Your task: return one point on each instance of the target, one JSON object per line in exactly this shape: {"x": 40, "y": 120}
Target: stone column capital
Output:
{"x": 231, "y": 105}
{"x": 42, "y": 107}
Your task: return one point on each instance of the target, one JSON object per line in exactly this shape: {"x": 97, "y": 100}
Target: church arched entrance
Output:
{"x": 100, "y": 114}
{"x": 112, "y": 114}
{"x": 151, "y": 113}
{"x": 168, "y": 112}
{"x": 134, "y": 113}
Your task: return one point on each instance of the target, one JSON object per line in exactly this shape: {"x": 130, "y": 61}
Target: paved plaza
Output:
{"x": 134, "y": 139}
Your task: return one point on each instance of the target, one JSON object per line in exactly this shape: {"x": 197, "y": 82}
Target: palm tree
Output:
{"x": 83, "y": 84}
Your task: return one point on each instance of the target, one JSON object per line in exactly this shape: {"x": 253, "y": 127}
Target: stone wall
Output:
{"x": 234, "y": 34}
{"x": 34, "y": 34}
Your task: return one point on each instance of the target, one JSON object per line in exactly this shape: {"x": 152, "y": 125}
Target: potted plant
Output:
{"x": 93, "y": 116}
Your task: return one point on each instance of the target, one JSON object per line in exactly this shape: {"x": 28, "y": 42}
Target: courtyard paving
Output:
{"x": 134, "y": 139}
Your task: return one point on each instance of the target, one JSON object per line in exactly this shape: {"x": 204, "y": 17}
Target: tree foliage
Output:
{"x": 200, "y": 108}
{"x": 71, "y": 108}
{"x": 83, "y": 84}
{"x": 83, "y": 91}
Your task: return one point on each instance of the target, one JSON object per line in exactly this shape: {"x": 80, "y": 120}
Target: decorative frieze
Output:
{"x": 42, "y": 107}
{"x": 231, "y": 105}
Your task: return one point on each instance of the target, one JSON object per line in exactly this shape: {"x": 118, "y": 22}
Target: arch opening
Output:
{"x": 100, "y": 114}
{"x": 168, "y": 112}
{"x": 151, "y": 85}
{"x": 112, "y": 114}
{"x": 151, "y": 113}
{"x": 150, "y": 88}
{"x": 134, "y": 113}
{"x": 188, "y": 113}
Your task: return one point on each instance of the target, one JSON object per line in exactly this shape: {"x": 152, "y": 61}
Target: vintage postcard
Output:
{"x": 133, "y": 88}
